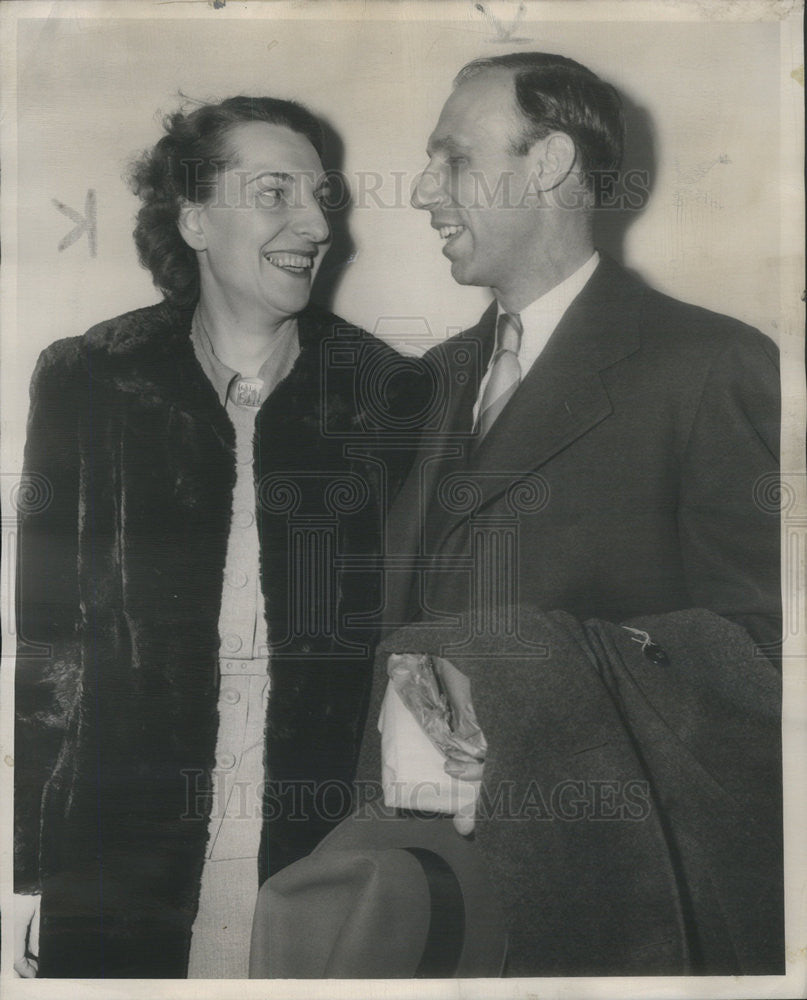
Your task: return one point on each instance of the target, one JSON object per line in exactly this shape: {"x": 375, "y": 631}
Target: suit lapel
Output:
{"x": 562, "y": 397}
{"x": 552, "y": 408}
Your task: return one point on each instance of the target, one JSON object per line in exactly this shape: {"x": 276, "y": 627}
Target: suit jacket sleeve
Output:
{"x": 729, "y": 512}
{"x": 48, "y": 653}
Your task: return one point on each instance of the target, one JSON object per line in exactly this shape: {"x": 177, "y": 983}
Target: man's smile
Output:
{"x": 449, "y": 232}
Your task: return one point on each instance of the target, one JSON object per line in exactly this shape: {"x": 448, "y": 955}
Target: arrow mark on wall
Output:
{"x": 83, "y": 223}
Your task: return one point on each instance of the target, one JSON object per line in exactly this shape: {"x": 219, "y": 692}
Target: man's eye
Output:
{"x": 269, "y": 197}
{"x": 323, "y": 196}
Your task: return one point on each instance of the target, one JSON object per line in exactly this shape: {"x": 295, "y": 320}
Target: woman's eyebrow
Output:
{"x": 278, "y": 175}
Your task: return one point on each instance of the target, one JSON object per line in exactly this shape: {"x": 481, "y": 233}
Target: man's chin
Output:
{"x": 463, "y": 274}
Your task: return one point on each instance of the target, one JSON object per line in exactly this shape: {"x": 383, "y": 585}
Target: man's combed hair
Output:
{"x": 556, "y": 94}
{"x": 184, "y": 165}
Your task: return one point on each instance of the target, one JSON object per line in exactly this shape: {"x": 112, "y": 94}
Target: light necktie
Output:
{"x": 505, "y": 372}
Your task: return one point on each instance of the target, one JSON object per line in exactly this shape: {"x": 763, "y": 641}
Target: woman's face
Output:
{"x": 263, "y": 233}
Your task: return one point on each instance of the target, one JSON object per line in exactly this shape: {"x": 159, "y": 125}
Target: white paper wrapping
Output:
{"x": 412, "y": 774}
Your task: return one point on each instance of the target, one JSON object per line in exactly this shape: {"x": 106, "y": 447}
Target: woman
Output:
{"x": 194, "y": 598}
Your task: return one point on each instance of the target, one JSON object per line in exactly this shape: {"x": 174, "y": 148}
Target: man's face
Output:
{"x": 265, "y": 231}
{"x": 481, "y": 196}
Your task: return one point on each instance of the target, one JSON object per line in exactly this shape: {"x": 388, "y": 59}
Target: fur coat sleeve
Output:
{"x": 48, "y": 647}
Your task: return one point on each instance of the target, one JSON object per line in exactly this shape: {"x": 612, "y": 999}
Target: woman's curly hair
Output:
{"x": 184, "y": 165}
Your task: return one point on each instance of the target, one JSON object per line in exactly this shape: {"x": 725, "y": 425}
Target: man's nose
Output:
{"x": 428, "y": 191}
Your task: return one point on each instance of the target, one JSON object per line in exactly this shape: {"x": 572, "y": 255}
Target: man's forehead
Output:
{"x": 474, "y": 105}
{"x": 488, "y": 94}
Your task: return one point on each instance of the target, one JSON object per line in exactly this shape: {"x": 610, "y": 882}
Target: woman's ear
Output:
{"x": 190, "y": 225}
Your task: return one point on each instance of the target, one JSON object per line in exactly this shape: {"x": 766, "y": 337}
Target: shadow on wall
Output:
{"x": 342, "y": 245}
{"x": 633, "y": 190}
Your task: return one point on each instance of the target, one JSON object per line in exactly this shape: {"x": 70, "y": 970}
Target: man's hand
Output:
{"x": 26, "y": 935}
{"x": 460, "y": 765}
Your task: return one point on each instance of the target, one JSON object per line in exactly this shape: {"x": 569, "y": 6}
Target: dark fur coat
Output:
{"x": 130, "y": 467}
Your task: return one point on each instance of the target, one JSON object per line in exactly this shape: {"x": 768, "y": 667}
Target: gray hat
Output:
{"x": 384, "y": 896}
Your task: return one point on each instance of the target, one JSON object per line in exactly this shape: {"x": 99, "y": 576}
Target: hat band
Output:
{"x": 446, "y": 933}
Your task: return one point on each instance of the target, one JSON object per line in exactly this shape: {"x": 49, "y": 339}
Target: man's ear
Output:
{"x": 190, "y": 225}
{"x": 553, "y": 159}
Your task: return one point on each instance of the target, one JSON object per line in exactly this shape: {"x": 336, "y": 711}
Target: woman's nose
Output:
{"x": 312, "y": 222}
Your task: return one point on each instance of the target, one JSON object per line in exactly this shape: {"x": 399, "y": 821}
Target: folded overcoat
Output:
{"x": 631, "y": 806}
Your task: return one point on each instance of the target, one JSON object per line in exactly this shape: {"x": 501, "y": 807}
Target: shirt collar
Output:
{"x": 275, "y": 368}
{"x": 540, "y": 317}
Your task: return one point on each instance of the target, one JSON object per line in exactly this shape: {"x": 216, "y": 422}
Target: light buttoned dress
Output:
{"x": 229, "y": 886}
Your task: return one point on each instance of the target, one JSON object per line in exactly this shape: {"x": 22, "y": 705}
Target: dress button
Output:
{"x": 226, "y": 761}
{"x": 238, "y": 579}
{"x": 232, "y": 643}
{"x": 230, "y": 696}
{"x": 243, "y": 518}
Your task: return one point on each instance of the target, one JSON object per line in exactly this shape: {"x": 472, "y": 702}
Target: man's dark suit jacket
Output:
{"x": 632, "y": 474}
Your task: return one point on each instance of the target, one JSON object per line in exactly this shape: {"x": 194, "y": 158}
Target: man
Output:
{"x": 597, "y": 456}
{"x": 647, "y": 420}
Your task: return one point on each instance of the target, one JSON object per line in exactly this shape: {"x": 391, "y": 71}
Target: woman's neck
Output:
{"x": 241, "y": 343}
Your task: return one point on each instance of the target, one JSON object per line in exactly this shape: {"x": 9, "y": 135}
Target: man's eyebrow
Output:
{"x": 445, "y": 145}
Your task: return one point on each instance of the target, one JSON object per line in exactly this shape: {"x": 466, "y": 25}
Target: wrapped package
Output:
{"x": 418, "y": 735}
